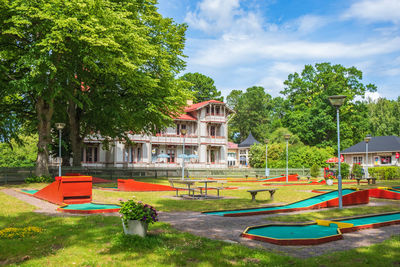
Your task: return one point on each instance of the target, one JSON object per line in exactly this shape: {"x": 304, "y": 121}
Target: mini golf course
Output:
{"x": 89, "y": 208}
{"x": 384, "y": 192}
{"x": 282, "y": 178}
{"x": 330, "y": 199}
{"x": 84, "y": 208}
{"x": 321, "y": 231}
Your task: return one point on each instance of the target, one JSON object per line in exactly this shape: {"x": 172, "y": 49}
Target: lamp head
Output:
{"x": 287, "y": 136}
{"x": 367, "y": 138}
{"x": 60, "y": 125}
{"x": 183, "y": 131}
{"x": 266, "y": 141}
{"x": 337, "y": 100}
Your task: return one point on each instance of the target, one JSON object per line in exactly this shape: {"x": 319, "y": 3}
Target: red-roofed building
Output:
{"x": 206, "y": 142}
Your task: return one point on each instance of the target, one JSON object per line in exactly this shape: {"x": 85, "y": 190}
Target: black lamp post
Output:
{"x": 337, "y": 101}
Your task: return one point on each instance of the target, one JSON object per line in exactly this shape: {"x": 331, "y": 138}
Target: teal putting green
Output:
{"x": 294, "y": 231}
{"x": 317, "y": 231}
{"x": 29, "y": 191}
{"x": 90, "y": 206}
{"x": 266, "y": 179}
{"x": 373, "y": 219}
{"x": 300, "y": 204}
{"x": 394, "y": 190}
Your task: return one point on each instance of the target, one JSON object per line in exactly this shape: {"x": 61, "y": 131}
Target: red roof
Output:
{"x": 335, "y": 159}
{"x": 196, "y": 106}
{"x": 232, "y": 145}
{"x": 186, "y": 117}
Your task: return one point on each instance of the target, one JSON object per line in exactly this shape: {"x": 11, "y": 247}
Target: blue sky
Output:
{"x": 242, "y": 43}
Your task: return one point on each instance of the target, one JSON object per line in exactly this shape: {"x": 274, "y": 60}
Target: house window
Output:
{"x": 128, "y": 154}
{"x": 386, "y": 160}
{"x": 212, "y": 130}
{"x": 91, "y": 154}
{"x": 216, "y": 110}
{"x": 171, "y": 154}
{"x": 357, "y": 160}
{"x": 179, "y": 128}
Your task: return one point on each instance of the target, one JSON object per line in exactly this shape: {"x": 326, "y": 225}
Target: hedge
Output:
{"x": 384, "y": 173}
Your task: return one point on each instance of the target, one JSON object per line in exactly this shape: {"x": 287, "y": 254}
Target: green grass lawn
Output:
{"x": 99, "y": 240}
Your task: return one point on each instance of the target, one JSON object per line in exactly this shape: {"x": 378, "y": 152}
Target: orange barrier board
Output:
{"x": 132, "y": 185}
{"x": 67, "y": 190}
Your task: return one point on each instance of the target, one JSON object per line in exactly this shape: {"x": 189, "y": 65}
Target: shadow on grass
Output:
{"x": 97, "y": 239}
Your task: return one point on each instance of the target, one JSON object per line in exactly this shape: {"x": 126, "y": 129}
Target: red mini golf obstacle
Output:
{"x": 95, "y": 180}
{"x": 384, "y": 192}
{"x": 132, "y": 185}
{"x": 67, "y": 190}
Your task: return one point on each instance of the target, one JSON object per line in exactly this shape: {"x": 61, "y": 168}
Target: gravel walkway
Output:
{"x": 229, "y": 229}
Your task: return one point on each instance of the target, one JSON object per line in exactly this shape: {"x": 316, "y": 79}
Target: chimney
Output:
{"x": 189, "y": 102}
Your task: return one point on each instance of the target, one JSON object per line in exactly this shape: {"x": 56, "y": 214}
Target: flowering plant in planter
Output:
{"x": 131, "y": 210}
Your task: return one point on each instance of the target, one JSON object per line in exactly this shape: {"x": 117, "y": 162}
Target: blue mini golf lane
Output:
{"x": 314, "y": 230}
{"x": 300, "y": 204}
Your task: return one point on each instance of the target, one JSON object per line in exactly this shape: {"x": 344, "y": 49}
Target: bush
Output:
{"x": 344, "y": 170}
{"x": 357, "y": 170}
{"x": 39, "y": 179}
{"x": 384, "y": 173}
{"x": 315, "y": 170}
{"x": 131, "y": 210}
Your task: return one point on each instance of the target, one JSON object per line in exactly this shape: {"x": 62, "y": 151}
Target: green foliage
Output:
{"x": 315, "y": 170}
{"x": 383, "y": 117}
{"x": 203, "y": 87}
{"x": 356, "y": 170}
{"x": 21, "y": 154}
{"x": 131, "y": 210}
{"x": 385, "y": 173}
{"x": 344, "y": 170}
{"x": 257, "y": 156}
{"x": 114, "y": 62}
{"x": 39, "y": 179}
{"x": 310, "y": 114}
{"x": 299, "y": 155}
{"x": 253, "y": 113}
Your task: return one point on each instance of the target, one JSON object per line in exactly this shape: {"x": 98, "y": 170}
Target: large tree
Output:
{"x": 253, "y": 114}
{"x": 202, "y": 87}
{"x": 384, "y": 117}
{"x": 310, "y": 115}
{"x": 115, "y": 61}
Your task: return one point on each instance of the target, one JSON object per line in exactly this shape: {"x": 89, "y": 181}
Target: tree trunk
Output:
{"x": 75, "y": 137}
{"x": 44, "y": 112}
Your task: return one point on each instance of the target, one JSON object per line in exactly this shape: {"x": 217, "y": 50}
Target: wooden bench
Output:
{"x": 254, "y": 193}
{"x": 372, "y": 179}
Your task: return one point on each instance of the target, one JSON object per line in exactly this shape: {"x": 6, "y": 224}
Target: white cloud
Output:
{"x": 213, "y": 15}
{"x": 375, "y": 10}
{"x": 372, "y": 95}
{"x": 233, "y": 49}
{"x": 276, "y": 75}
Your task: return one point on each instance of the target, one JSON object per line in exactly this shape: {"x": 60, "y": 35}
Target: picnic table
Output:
{"x": 254, "y": 192}
{"x": 191, "y": 189}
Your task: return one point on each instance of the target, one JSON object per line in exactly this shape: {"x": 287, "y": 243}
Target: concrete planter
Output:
{"x": 135, "y": 227}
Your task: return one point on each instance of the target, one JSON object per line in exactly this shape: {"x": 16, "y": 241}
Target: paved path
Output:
{"x": 229, "y": 228}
